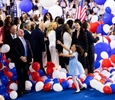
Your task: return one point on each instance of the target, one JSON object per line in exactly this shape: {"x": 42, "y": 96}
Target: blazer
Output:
{"x": 27, "y": 35}
{"x": 19, "y": 50}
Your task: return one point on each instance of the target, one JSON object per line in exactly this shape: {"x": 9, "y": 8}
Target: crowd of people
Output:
{"x": 33, "y": 37}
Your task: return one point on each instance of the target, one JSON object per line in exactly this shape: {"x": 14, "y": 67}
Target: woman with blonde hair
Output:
{"x": 51, "y": 34}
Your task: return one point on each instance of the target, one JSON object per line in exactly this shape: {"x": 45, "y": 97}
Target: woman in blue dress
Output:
{"x": 75, "y": 68}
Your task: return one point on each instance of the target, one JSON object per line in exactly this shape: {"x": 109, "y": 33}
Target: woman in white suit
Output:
{"x": 51, "y": 34}
{"x": 66, "y": 37}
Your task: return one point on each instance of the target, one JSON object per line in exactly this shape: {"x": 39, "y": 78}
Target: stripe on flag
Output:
{"x": 81, "y": 11}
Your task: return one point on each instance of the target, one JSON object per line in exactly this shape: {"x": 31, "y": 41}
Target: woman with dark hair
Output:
{"x": 79, "y": 37}
{"x": 7, "y": 26}
{"x": 17, "y": 22}
{"x": 47, "y": 17}
{"x": 91, "y": 40}
{"x": 66, "y": 38}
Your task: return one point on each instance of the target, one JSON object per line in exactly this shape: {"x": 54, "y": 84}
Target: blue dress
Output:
{"x": 75, "y": 67}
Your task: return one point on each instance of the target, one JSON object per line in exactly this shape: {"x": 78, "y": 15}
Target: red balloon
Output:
{"x": 93, "y": 26}
{"x": 36, "y": 66}
{"x": 107, "y": 37}
{"x": 35, "y": 76}
{"x": 103, "y": 80}
{"x": 49, "y": 70}
{"x": 40, "y": 79}
{"x": 9, "y": 74}
{"x": 91, "y": 74}
{"x": 0, "y": 65}
{"x": 61, "y": 80}
{"x": 107, "y": 89}
{"x": 112, "y": 58}
{"x": 106, "y": 63}
{"x": 47, "y": 87}
{"x": 50, "y": 64}
{"x": 81, "y": 79}
{"x": 73, "y": 86}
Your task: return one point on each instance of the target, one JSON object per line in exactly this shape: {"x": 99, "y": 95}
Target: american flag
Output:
{"x": 81, "y": 11}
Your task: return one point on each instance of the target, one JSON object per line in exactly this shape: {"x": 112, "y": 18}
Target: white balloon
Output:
{"x": 106, "y": 28}
{"x": 55, "y": 11}
{"x": 113, "y": 20}
{"x": 46, "y": 4}
{"x": 102, "y": 39}
{"x": 13, "y": 95}
{"x": 28, "y": 85}
{"x": 1, "y": 97}
{"x": 92, "y": 83}
{"x": 39, "y": 86}
{"x": 13, "y": 86}
{"x": 104, "y": 55}
{"x": 62, "y": 75}
{"x": 56, "y": 74}
{"x": 95, "y": 55}
{"x": 111, "y": 4}
{"x": 57, "y": 87}
{"x": 112, "y": 44}
{"x": 97, "y": 77}
{"x": 5, "y": 48}
{"x": 70, "y": 83}
{"x": 31, "y": 69}
{"x": 11, "y": 65}
{"x": 112, "y": 37}
{"x": 63, "y": 70}
{"x": 94, "y": 18}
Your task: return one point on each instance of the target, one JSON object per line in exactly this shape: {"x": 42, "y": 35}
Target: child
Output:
{"x": 75, "y": 67}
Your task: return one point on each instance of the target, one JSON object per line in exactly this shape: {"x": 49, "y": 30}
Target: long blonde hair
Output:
{"x": 50, "y": 27}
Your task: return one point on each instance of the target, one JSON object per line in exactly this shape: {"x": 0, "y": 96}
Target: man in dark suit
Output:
{"x": 10, "y": 41}
{"x": 38, "y": 44}
{"x": 59, "y": 37}
{"x": 23, "y": 57}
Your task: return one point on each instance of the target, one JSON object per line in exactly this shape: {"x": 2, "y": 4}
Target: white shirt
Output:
{"x": 13, "y": 36}
{"x": 52, "y": 38}
{"x": 67, "y": 41}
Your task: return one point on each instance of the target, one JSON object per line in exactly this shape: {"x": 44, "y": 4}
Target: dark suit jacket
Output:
{"x": 37, "y": 43}
{"x": 27, "y": 35}
{"x": 8, "y": 40}
{"x": 19, "y": 51}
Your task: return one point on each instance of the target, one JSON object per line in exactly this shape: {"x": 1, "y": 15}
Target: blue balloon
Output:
{"x": 100, "y": 2}
{"x": 25, "y": 5}
{"x": 107, "y": 18}
{"x": 108, "y": 10}
{"x": 113, "y": 51}
{"x": 100, "y": 30}
{"x": 41, "y": 72}
{"x": 113, "y": 87}
{"x": 13, "y": 70}
{"x": 14, "y": 77}
{"x": 47, "y": 81}
{"x": 5, "y": 95}
{"x": 112, "y": 70}
{"x": 87, "y": 80}
{"x": 100, "y": 47}
{"x": 44, "y": 11}
{"x": 4, "y": 80}
{"x": 65, "y": 84}
{"x": 96, "y": 64}
{"x": 56, "y": 80}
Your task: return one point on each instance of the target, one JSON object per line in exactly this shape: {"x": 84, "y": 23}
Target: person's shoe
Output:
{"x": 76, "y": 91}
{"x": 83, "y": 88}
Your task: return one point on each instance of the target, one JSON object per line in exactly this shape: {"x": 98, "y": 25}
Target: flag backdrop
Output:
{"x": 81, "y": 11}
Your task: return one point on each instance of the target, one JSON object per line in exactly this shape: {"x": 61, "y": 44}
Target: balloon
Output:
{"x": 4, "y": 80}
{"x": 104, "y": 55}
{"x": 55, "y": 11}
{"x": 87, "y": 80}
{"x": 35, "y": 75}
{"x": 36, "y": 66}
{"x": 9, "y": 74}
{"x": 13, "y": 86}
{"x": 13, "y": 95}
{"x": 46, "y": 4}
{"x": 56, "y": 74}
{"x": 106, "y": 63}
{"x": 57, "y": 87}
{"x": 113, "y": 87}
{"x": 112, "y": 58}
{"x": 100, "y": 30}
{"x": 113, "y": 51}
{"x": 41, "y": 72}
{"x": 50, "y": 64}
{"x": 39, "y": 86}
{"x": 96, "y": 64}
{"x": 94, "y": 18}
{"x": 49, "y": 70}
{"x": 47, "y": 87}
{"x": 100, "y": 2}
{"x": 65, "y": 84}
{"x": 11, "y": 65}
{"x": 108, "y": 10}
{"x": 1, "y": 97}
{"x": 107, "y": 90}
{"x": 93, "y": 26}
{"x": 44, "y": 11}
{"x": 5, "y": 48}
{"x": 113, "y": 20}
{"x": 25, "y": 5}
{"x": 107, "y": 18}
{"x": 106, "y": 28}
{"x": 28, "y": 85}
{"x": 112, "y": 44}
{"x": 99, "y": 49}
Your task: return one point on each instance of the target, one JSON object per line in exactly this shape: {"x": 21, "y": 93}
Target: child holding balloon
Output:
{"x": 75, "y": 68}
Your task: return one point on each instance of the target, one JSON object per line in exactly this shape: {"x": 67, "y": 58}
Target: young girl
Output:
{"x": 75, "y": 67}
